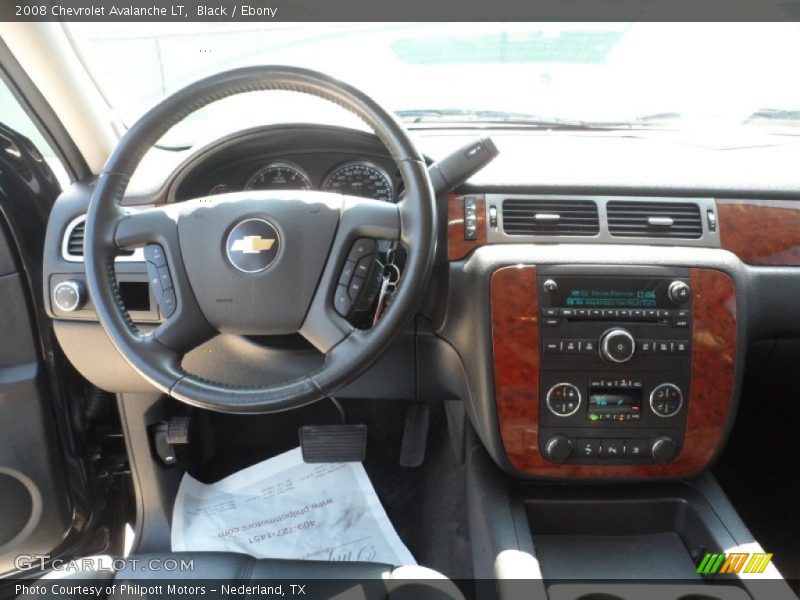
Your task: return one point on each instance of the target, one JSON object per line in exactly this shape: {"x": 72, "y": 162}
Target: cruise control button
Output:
{"x": 362, "y": 247}
{"x": 155, "y": 254}
{"x": 155, "y": 281}
{"x": 168, "y": 303}
{"x": 164, "y": 278}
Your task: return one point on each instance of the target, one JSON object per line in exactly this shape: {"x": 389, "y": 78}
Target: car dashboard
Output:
{"x": 591, "y": 315}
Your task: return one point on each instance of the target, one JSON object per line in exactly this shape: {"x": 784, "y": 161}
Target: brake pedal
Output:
{"x": 333, "y": 443}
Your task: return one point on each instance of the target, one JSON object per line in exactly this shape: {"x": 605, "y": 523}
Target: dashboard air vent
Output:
{"x": 654, "y": 219}
{"x": 73, "y": 247}
{"x": 75, "y": 241}
{"x": 530, "y": 216}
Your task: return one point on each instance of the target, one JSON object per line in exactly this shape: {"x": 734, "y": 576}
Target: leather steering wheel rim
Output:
{"x": 157, "y": 355}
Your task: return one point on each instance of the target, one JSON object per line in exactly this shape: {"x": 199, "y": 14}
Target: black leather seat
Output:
{"x": 213, "y": 570}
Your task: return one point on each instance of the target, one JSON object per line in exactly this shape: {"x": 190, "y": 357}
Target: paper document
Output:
{"x": 285, "y": 508}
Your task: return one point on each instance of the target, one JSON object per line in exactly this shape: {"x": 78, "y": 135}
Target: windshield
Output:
{"x": 678, "y": 75}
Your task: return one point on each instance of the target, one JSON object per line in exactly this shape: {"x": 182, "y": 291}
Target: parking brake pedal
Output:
{"x": 333, "y": 443}
{"x": 167, "y": 435}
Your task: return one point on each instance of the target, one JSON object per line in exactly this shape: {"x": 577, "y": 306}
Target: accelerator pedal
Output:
{"x": 333, "y": 443}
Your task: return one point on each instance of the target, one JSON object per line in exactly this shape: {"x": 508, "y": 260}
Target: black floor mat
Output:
{"x": 760, "y": 468}
{"x": 426, "y": 504}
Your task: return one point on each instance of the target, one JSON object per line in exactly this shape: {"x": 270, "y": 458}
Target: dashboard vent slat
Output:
{"x": 75, "y": 242}
{"x": 74, "y": 246}
{"x": 654, "y": 219}
{"x": 530, "y": 216}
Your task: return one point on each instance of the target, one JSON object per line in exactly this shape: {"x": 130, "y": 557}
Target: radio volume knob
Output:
{"x": 617, "y": 345}
{"x": 679, "y": 292}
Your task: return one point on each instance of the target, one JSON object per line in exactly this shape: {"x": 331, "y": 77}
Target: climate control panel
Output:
{"x": 615, "y": 365}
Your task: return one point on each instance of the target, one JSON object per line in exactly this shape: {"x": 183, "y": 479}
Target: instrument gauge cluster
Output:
{"x": 365, "y": 178}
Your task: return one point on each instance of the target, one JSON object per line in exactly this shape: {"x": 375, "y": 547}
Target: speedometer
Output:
{"x": 282, "y": 175}
{"x": 361, "y": 178}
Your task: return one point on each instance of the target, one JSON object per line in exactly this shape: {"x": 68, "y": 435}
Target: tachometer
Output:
{"x": 281, "y": 175}
{"x": 360, "y": 178}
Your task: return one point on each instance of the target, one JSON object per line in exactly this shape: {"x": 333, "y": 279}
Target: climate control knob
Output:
{"x": 617, "y": 345}
{"x": 558, "y": 448}
{"x": 69, "y": 296}
{"x": 563, "y": 399}
{"x": 663, "y": 449}
{"x": 666, "y": 400}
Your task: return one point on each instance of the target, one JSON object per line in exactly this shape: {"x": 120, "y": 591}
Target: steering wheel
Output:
{"x": 255, "y": 262}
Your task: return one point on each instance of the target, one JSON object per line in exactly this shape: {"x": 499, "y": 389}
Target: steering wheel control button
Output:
{"x": 155, "y": 281}
{"x": 361, "y": 248}
{"x": 347, "y": 272}
{"x": 341, "y": 300}
{"x": 666, "y": 400}
{"x": 69, "y": 296}
{"x": 168, "y": 303}
{"x": 363, "y": 266}
{"x": 617, "y": 345}
{"x": 155, "y": 254}
{"x": 563, "y": 399}
{"x": 164, "y": 278}
{"x": 357, "y": 286}
{"x": 252, "y": 245}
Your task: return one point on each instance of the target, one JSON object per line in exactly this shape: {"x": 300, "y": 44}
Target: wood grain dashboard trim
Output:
{"x": 761, "y": 232}
{"x": 457, "y": 246}
{"x": 515, "y": 340}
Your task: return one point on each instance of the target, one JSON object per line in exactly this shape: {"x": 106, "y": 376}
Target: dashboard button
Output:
{"x": 681, "y": 347}
{"x": 645, "y": 345}
{"x": 587, "y": 448}
{"x": 588, "y": 346}
{"x": 680, "y": 322}
{"x": 551, "y": 322}
{"x": 551, "y": 347}
{"x": 636, "y": 448}
{"x": 611, "y": 448}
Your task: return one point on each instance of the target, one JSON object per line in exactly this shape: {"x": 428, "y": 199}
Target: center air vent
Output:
{"x": 550, "y": 217}
{"x": 654, "y": 219}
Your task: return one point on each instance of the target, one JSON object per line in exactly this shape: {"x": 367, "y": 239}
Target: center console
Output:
{"x": 612, "y": 371}
{"x": 615, "y": 364}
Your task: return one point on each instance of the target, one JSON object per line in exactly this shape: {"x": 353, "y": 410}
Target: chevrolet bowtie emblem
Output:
{"x": 252, "y": 244}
